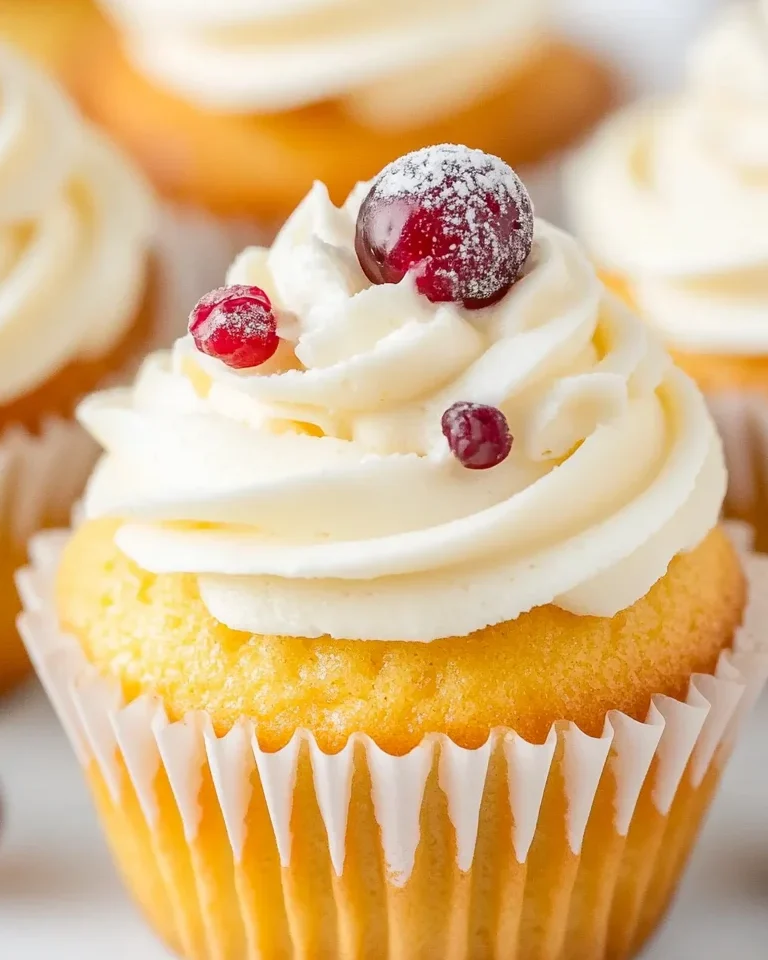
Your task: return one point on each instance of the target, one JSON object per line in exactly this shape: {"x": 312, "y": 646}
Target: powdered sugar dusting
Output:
{"x": 236, "y": 325}
{"x": 242, "y": 319}
{"x": 213, "y": 298}
{"x": 450, "y": 168}
{"x": 475, "y": 221}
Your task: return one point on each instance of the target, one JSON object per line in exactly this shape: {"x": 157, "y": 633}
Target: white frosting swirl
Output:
{"x": 673, "y": 196}
{"x": 397, "y": 64}
{"x": 75, "y": 227}
{"x": 316, "y": 494}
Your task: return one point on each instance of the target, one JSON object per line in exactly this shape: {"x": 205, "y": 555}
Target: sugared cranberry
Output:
{"x": 478, "y": 435}
{"x": 236, "y": 325}
{"x": 460, "y": 218}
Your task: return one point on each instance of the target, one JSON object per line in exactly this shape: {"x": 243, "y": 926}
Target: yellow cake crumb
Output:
{"x": 155, "y": 635}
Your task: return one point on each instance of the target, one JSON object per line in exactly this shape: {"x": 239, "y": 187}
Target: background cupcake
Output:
{"x": 671, "y": 199}
{"x": 237, "y": 107}
{"x": 47, "y": 30}
{"x": 339, "y": 599}
{"x": 76, "y": 226}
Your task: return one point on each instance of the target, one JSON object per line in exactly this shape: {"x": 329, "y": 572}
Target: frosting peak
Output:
{"x": 75, "y": 228}
{"x": 397, "y": 64}
{"x": 673, "y": 195}
{"x": 317, "y": 495}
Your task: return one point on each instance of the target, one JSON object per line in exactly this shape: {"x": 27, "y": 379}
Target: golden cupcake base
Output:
{"x": 568, "y": 848}
{"x": 601, "y": 902}
{"x": 262, "y": 165}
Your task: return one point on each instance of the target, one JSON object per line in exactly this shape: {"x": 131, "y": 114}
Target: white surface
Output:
{"x": 61, "y": 900}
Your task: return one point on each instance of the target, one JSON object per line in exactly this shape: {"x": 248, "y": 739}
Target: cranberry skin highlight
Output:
{"x": 235, "y": 325}
{"x": 477, "y": 434}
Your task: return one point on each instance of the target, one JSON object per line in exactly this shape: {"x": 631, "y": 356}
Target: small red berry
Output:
{"x": 236, "y": 325}
{"x": 478, "y": 435}
{"x": 460, "y": 218}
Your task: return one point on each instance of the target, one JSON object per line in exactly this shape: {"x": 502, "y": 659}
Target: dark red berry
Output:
{"x": 236, "y": 325}
{"x": 460, "y": 218}
{"x": 478, "y": 435}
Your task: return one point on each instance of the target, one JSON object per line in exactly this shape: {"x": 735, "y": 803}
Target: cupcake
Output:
{"x": 236, "y": 107}
{"x": 671, "y": 198}
{"x": 400, "y": 622}
{"x": 46, "y": 30}
{"x": 76, "y": 223}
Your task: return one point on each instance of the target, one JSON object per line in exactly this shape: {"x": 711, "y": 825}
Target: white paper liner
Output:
{"x": 682, "y": 737}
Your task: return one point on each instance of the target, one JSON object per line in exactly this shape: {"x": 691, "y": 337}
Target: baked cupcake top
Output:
{"x": 673, "y": 195}
{"x": 411, "y": 417}
{"x": 75, "y": 227}
{"x": 397, "y": 64}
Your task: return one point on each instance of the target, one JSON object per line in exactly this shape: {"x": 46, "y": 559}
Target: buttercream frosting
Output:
{"x": 317, "y": 495}
{"x": 673, "y": 195}
{"x": 75, "y": 230}
{"x": 391, "y": 65}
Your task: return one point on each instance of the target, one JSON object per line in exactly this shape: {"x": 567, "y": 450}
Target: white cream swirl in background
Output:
{"x": 316, "y": 495}
{"x": 393, "y": 64}
{"x": 75, "y": 229}
{"x": 673, "y": 196}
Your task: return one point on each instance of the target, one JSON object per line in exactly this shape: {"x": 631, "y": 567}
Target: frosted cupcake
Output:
{"x": 76, "y": 224}
{"x": 400, "y": 622}
{"x": 672, "y": 201}
{"x": 237, "y": 107}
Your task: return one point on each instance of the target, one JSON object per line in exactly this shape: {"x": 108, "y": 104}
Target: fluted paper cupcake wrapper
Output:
{"x": 638, "y": 791}
{"x": 742, "y": 420}
{"x": 41, "y": 475}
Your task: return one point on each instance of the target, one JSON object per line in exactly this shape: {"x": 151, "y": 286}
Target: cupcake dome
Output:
{"x": 352, "y": 693}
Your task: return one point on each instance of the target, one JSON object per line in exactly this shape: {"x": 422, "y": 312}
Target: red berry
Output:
{"x": 460, "y": 218}
{"x": 236, "y": 325}
{"x": 478, "y": 435}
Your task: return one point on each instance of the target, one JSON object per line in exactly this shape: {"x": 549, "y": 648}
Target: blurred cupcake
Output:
{"x": 237, "y": 107}
{"x": 415, "y": 531}
{"x": 75, "y": 228}
{"x": 47, "y": 30}
{"x": 672, "y": 201}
